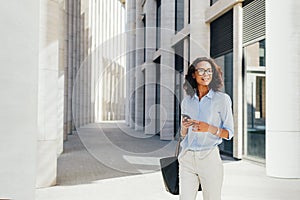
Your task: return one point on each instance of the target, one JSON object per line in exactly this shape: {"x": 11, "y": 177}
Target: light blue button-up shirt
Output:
{"x": 215, "y": 109}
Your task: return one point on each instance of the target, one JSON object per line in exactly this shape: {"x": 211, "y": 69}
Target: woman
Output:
{"x": 211, "y": 120}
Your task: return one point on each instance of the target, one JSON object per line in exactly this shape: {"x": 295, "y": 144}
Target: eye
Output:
{"x": 201, "y": 70}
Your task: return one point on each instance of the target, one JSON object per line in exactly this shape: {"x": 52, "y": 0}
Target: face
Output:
{"x": 203, "y": 73}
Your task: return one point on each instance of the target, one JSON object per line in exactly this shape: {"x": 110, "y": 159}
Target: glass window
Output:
{"x": 179, "y": 15}
{"x": 255, "y": 100}
{"x": 189, "y": 12}
{"x": 158, "y": 23}
{"x": 226, "y": 64}
{"x": 255, "y": 55}
{"x": 262, "y": 53}
{"x": 179, "y": 63}
{"x": 145, "y": 37}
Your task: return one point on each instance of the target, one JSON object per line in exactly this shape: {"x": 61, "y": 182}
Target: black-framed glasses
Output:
{"x": 202, "y": 71}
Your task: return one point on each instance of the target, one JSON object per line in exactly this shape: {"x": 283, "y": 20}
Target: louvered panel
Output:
{"x": 254, "y": 18}
{"x": 221, "y": 35}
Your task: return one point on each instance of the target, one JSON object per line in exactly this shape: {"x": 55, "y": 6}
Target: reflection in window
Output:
{"x": 262, "y": 53}
{"x": 255, "y": 54}
{"x": 255, "y": 99}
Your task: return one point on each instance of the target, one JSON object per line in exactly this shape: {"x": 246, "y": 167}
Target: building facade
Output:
{"x": 164, "y": 36}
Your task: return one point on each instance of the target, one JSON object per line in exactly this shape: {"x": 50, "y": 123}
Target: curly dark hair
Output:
{"x": 190, "y": 84}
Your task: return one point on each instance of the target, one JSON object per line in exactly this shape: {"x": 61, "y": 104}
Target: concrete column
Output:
{"x": 70, "y": 66}
{"x": 132, "y": 44}
{"x": 61, "y": 74}
{"x": 87, "y": 61}
{"x": 238, "y": 80}
{"x": 167, "y": 71}
{"x": 48, "y": 93}
{"x": 127, "y": 75}
{"x": 79, "y": 75}
{"x": 199, "y": 30}
{"x": 74, "y": 64}
{"x": 150, "y": 67}
{"x": 18, "y": 103}
{"x": 139, "y": 81}
{"x": 82, "y": 64}
{"x": 186, "y": 43}
{"x": 93, "y": 59}
{"x": 66, "y": 40}
{"x": 99, "y": 58}
{"x": 98, "y": 67}
{"x": 282, "y": 89}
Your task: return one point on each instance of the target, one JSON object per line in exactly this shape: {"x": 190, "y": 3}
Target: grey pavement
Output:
{"x": 111, "y": 161}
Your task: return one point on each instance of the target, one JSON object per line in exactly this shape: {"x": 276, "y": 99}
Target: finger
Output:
{"x": 193, "y": 121}
{"x": 187, "y": 123}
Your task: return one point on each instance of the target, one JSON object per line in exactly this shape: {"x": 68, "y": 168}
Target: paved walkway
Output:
{"x": 111, "y": 161}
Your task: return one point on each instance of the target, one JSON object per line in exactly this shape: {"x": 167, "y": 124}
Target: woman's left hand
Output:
{"x": 199, "y": 126}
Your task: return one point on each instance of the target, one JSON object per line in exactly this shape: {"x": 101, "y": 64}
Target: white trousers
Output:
{"x": 200, "y": 166}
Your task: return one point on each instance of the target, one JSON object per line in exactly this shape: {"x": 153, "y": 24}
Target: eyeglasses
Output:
{"x": 202, "y": 71}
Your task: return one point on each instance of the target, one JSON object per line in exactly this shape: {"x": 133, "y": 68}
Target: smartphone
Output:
{"x": 185, "y": 117}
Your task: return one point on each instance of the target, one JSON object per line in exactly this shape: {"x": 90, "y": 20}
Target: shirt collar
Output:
{"x": 210, "y": 94}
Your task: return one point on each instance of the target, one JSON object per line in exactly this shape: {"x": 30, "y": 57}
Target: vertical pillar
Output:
{"x": 74, "y": 64}
{"x": 139, "y": 81}
{"x": 19, "y": 94}
{"x": 100, "y": 65}
{"x": 237, "y": 79}
{"x": 127, "y": 75}
{"x": 93, "y": 60}
{"x": 186, "y": 44}
{"x": 199, "y": 30}
{"x": 89, "y": 61}
{"x": 132, "y": 43}
{"x": 70, "y": 68}
{"x": 61, "y": 75}
{"x": 48, "y": 93}
{"x": 82, "y": 64}
{"x": 282, "y": 89}
{"x": 167, "y": 71}
{"x": 150, "y": 67}
{"x": 78, "y": 63}
{"x": 66, "y": 74}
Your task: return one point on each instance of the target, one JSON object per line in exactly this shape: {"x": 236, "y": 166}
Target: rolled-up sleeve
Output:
{"x": 227, "y": 117}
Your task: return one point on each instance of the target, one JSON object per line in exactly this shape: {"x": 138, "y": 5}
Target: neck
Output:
{"x": 202, "y": 90}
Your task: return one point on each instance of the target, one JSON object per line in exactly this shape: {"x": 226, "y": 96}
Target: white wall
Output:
{"x": 18, "y": 103}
